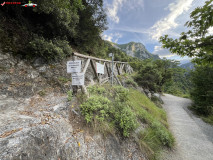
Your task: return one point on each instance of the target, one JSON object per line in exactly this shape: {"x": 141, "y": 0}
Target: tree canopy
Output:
{"x": 197, "y": 42}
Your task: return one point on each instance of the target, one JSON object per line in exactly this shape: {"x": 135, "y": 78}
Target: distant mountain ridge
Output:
{"x": 137, "y": 50}
{"x": 188, "y": 66}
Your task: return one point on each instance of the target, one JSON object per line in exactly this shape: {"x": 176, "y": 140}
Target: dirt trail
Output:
{"x": 194, "y": 138}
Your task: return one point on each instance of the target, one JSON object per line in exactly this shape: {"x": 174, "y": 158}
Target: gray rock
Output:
{"x": 45, "y": 135}
{"x": 33, "y": 74}
{"x": 149, "y": 95}
{"x": 42, "y": 69}
{"x": 38, "y": 62}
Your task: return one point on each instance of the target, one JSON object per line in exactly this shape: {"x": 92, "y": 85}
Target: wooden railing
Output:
{"x": 119, "y": 68}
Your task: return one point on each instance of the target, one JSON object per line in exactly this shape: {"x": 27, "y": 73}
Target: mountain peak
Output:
{"x": 136, "y": 49}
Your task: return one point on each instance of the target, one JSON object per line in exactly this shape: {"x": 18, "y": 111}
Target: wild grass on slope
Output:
{"x": 120, "y": 110}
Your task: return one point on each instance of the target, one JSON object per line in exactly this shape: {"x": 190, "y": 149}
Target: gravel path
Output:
{"x": 194, "y": 138}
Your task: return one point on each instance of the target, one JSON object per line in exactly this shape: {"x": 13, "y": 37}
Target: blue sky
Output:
{"x": 146, "y": 20}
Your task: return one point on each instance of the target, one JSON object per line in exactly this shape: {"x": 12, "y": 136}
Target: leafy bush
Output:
{"x": 131, "y": 82}
{"x": 50, "y": 50}
{"x": 95, "y": 107}
{"x": 69, "y": 93}
{"x": 96, "y": 90}
{"x": 125, "y": 118}
{"x": 64, "y": 79}
{"x": 98, "y": 108}
{"x": 202, "y": 92}
{"x": 120, "y": 93}
{"x": 119, "y": 109}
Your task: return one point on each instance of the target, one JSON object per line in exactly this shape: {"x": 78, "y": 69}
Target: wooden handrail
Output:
{"x": 94, "y": 58}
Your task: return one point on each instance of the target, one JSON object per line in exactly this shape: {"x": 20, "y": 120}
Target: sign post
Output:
{"x": 78, "y": 79}
{"x": 74, "y": 66}
{"x": 112, "y": 55}
{"x": 99, "y": 68}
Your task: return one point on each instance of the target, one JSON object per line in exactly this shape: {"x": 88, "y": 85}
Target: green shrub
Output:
{"x": 120, "y": 93}
{"x": 100, "y": 109}
{"x": 64, "y": 79}
{"x": 95, "y": 107}
{"x": 126, "y": 120}
{"x": 96, "y": 90}
{"x": 131, "y": 82}
{"x": 55, "y": 50}
{"x": 69, "y": 93}
{"x": 119, "y": 109}
{"x": 202, "y": 92}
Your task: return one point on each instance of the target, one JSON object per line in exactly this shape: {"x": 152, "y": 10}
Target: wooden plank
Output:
{"x": 104, "y": 79}
{"x": 114, "y": 67}
{"x": 118, "y": 69}
{"x": 84, "y": 90}
{"x": 94, "y": 69}
{"x": 94, "y": 58}
{"x": 86, "y": 66}
{"x": 108, "y": 71}
{"x": 117, "y": 79}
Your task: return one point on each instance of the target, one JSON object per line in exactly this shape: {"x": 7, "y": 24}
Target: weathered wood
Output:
{"x": 121, "y": 68}
{"x": 84, "y": 90}
{"x": 105, "y": 80}
{"x": 114, "y": 68}
{"x": 94, "y": 69}
{"x": 94, "y": 58}
{"x": 118, "y": 69}
{"x": 86, "y": 66}
{"x": 117, "y": 79}
{"x": 108, "y": 72}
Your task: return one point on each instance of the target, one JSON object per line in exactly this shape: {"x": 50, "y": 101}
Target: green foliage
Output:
{"x": 120, "y": 93}
{"x": 202, "y": 93}
{"x": 131, "y": 82}
{"x": 125, "y": 118}
{"x": 95, "y": 107}
{"x": 42, "y": 93}
{"x": 196, "y": 42}
{"x": 69, "y": 93}
{"x": 156, "y": 134}
{"x": 64, "y": 79}
{"x": 208, "y": 119}
{"x": 96, "y": 90}
{"x": 99, "y": 109}
{"x": 117, "y": 108}
{"x": 154, "y": 74}
{"x": 180, "y": 84}
{"x": 50, "y": 50}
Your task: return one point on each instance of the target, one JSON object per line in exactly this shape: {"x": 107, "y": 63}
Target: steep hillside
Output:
{"x": 38, "y": 120}
{"x": 137, "y": 50}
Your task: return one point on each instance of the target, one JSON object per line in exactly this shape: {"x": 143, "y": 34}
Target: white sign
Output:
{"x": 99, "y": 68}
{"x": 74, "y": 66}
{"x": 78, "y": 79}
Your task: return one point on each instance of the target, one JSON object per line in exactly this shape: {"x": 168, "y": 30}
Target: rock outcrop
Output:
{"x": 137, "y": 50}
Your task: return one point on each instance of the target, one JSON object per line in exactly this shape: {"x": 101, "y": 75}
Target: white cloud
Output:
{"x": 107, "y": 37}
{"x": 112, "y": 37}
{"x": 162, "y": 52}
{"x": 113, "y": 10}
{"x": 118, "y": 4}
{"x": 163, "y": 26}
{"x": 117, "y": 37}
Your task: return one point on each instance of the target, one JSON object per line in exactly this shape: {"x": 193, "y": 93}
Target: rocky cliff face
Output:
{"x": 38, "y": 123}
{"x": 137, "y": 50}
